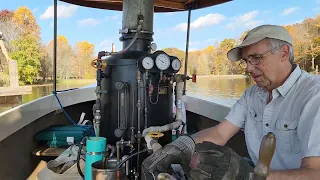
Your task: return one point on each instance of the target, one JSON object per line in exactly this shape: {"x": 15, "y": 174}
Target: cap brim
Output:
{"x": 234, "y": 54}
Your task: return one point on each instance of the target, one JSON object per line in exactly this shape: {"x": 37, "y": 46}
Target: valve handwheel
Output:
{"x": 102, "y": 63}
{"x": 155, "y": 134}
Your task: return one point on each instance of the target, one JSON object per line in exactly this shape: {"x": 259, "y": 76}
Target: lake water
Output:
{"x": 220, "y": 89}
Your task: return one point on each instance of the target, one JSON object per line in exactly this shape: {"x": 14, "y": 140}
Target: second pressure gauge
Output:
{"x": 176, "y": 64}
{"x": 147, "y": 63}
{"x": 162, "y": 61}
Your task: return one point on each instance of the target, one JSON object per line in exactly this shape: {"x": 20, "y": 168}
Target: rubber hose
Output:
{"x": 134, "y": 154}
{"x": 78, "y": 158}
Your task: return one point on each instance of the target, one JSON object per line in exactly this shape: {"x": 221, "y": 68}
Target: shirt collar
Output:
{"x": 291, "y": 80}
{"x": 286, "y": 86}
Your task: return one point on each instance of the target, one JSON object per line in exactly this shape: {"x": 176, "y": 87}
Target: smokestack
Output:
{"x": 131, "y": 11}
{"x": 113, "y": 49}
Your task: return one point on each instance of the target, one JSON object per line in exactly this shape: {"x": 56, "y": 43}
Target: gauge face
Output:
{"x": 162, "y": 61}
{"x": 176, "y": 64}
{"x": 147, "y": 63}
{"x": 153, "y": 46}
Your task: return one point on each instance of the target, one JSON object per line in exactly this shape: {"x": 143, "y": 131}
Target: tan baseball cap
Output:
{"x": 257, "y": 34}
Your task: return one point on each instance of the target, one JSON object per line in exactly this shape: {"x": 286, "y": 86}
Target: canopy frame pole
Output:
{"x": 55, "y": 46}
{"x": 187, "y": 53}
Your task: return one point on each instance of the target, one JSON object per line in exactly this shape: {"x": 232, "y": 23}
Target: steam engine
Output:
{"x": 136, "y": 88}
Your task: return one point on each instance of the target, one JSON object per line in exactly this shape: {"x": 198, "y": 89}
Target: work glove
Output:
{"x": 214, "y": 162}
{"x": 176, "y": 152}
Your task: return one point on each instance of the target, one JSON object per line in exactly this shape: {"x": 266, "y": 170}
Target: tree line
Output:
{"x": 213, "y": 60}
{"x": 22, "y": 38}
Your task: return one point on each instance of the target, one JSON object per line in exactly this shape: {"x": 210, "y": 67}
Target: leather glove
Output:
{"x": 176, "y": 152}
{"x": 214, "y": 162}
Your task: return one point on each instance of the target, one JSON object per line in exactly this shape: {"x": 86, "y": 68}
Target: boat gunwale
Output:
{"x": 18, "y": 117}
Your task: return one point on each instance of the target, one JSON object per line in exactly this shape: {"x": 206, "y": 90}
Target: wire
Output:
{"x": 150, "y": 97}
{"x": 134, "y": 154}
{"x": 67, "y": 90}
{"x": 178, "y": 174}
{"x": 66, "y": 114}
{"x": 78, "y": 157}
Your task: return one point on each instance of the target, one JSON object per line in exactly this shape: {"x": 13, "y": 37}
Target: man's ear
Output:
{"x": 285, "y": 53}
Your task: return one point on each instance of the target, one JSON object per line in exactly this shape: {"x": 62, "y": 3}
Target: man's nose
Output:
{"x": 249, "y": 67}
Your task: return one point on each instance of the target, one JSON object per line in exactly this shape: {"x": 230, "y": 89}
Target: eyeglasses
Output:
{"x": 254, "y": 59}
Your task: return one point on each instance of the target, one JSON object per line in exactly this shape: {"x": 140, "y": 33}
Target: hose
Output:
{"x": 134, "y": 154}
{"x": 66, "y": 114}
{"x": 78, "y": 157}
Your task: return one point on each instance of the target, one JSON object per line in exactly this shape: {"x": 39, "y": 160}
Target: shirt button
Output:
{"x": 285, "y": 126}
{"x": 267, "y": 125}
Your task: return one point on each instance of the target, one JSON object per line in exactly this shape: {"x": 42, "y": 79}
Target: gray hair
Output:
{"x": 277, "y": 43}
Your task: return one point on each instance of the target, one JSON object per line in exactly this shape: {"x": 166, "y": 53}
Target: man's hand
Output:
{"x": 214, "y": 162}
{"x": 177, "y": 152}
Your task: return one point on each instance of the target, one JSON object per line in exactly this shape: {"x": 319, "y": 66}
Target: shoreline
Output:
{"x": 81, "y": 81}
{"x": 224, "y": 76}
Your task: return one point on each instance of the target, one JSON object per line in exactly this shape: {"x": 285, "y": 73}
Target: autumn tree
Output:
{"x": 10, "y": 30}
{"x": 193, "y": 62}
{"x": 45, "y": 70}
{"x": 64, "y": 57}
{"x": 203, "y": 67}
{"x": 308, "y": 32}
{"x": 28, "y": 56}
{"x": 25, "y": 19}
{"x": 222, "y": 65}
{"x": 6, "y": 15}
{"x": 82, "y": 60}
{"x": 25, "y": 45}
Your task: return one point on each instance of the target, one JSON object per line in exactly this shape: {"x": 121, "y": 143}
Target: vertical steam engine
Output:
{"x": 135, "y": 89}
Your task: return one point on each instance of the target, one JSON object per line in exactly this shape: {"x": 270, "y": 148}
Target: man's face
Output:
{"x": 266, "y": 72}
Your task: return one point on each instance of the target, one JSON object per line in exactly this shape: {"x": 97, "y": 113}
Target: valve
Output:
{"x": 194, "y": 78}
{"x": 155, "y": 134}
{"x": 98, "y": 64}
{"x": 152, "y": 141}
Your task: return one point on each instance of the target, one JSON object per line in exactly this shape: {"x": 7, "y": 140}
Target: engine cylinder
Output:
{"x": 119, "y": 103}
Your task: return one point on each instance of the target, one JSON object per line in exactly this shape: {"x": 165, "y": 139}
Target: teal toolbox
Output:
{"x": 63, "y": 136}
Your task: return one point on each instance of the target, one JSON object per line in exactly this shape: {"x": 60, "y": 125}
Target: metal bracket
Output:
{"x": 101, "y": 91}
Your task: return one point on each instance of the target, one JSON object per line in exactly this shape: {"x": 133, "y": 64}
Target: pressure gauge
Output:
{"x": 153, "y": 46}
{"x": 162, "y": 61}
{"x": 147, "y": 63}
{"x": 176, "y": 64}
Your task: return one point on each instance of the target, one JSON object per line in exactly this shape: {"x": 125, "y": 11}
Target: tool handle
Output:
{"x": 266, "y": 152}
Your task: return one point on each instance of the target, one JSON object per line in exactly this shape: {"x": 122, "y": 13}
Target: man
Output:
{"x": 285, "y": 100}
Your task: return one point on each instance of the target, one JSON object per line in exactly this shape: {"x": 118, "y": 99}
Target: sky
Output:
{"x": 208, "y": 26}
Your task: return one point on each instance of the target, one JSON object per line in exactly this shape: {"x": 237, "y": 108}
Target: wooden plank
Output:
{"x": 169, "y": 4}
{"x": 13, "y": 91}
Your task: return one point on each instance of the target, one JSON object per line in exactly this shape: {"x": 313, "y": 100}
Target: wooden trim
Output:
{"x": 169, "y": 4}
{"x": 13, "y": 91}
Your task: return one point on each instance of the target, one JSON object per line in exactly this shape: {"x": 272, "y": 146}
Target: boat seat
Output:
{"x": 48, "y": 152}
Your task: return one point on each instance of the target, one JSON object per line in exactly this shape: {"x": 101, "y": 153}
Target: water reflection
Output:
{"x": 40, "y": 91}
{"x": 224, "y": 89}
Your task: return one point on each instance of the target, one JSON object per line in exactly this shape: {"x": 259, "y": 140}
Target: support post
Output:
{"x": 186, "y": 56}
{"x": 13, "y": 73}
{"x": 55, "y": 46}
{"x": 131, "y": 10}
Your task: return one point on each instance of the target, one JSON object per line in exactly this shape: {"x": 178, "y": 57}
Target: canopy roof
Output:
{"x": 160, "y": 5}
